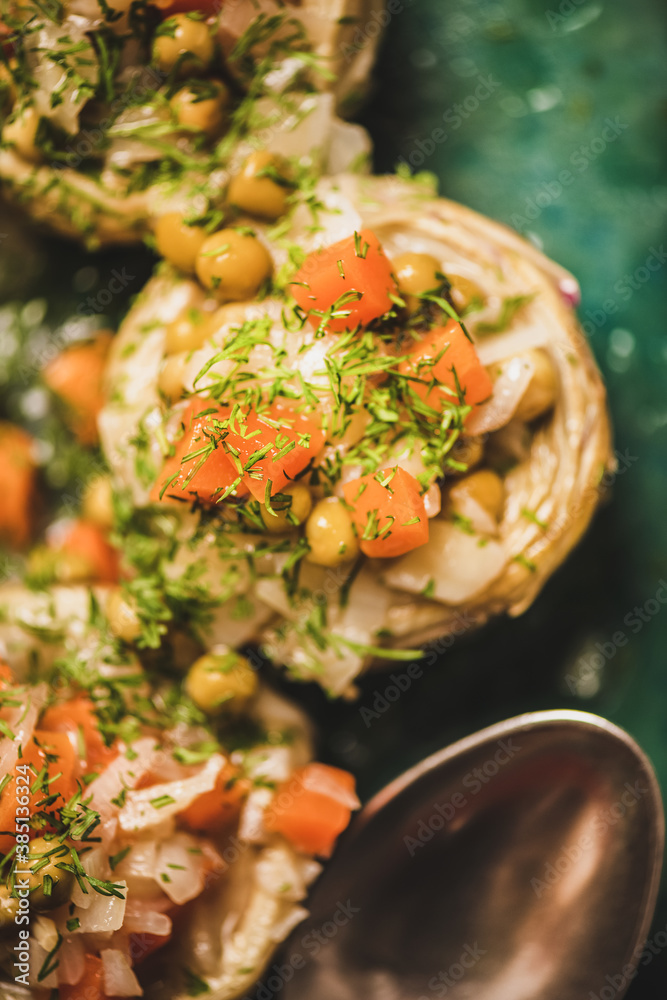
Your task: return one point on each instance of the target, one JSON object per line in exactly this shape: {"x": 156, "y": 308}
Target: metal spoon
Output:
{"x": 520, "y": 863}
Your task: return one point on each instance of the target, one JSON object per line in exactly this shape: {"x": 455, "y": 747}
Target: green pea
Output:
{"x": 49, "y": 885}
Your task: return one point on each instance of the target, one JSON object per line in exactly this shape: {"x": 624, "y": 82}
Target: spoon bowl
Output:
{"x": 521, "y": 863}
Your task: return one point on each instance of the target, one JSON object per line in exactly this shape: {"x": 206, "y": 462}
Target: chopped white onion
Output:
{"x": 521, "y": 337}
{"x": 340, "y": 218}
{"x": 183, "y": 864}
{"x": 358, "y": 623}
{"x": 119, "y": 979}
{"x": 479, "y": 518}
{"x": 226, "y": 625}
{"x": 21, "y": 721}
{"x": 72, "y": 958}
{"x": 104, "y": 914}
{"x": 52, "y": 77}
{"x": 433, "y": 500}
{"x": 137, "y": 868}
{"x": 120, "y": 774}
{"x": 45, "y": 931}
{"x": 278, "y": 872}
{"x": 511, "y": 379}
{"x": 251, "y": 821}
{"x": 153, "y": 806}
{"x": 350, "y": 145}
{"x": 460, "y": 565}
{"x": 142, "y": 918}
{"x": 303, "y": 133}
{"x": 274, "y": 764}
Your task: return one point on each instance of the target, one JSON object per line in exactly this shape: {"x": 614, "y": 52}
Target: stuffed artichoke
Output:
{"x": 115, "y": 113}
{"x": 381, "y": 428}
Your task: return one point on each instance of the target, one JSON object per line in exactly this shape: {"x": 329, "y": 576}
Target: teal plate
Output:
{"x": 551, "y": 118}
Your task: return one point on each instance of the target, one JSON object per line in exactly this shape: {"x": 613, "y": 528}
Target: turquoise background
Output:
{"x": 555, "y": 74}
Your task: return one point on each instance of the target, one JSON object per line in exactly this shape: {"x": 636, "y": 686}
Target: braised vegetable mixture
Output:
{"x": 291, "y": 427}
{"x": 132, "y": 818}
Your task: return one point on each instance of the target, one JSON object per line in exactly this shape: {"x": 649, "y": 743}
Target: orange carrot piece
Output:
{"x": 88, "y": 541}
{"x": 292, "y": 438}
{"x": 352, "y": 277}
{"x": 60, "y": 779}
{"x": 224, "y": 443}
{"x": 211, "y": 471}
{"x": 17, "y": 474}
{"x": 218, "y": 809}
{"x": 438, "y": 361}
{"x": 388, "y": 512}
{"x": 312, "y": 808}
{"x": 76, "y": 376}
{"x": 77, "y": 719}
